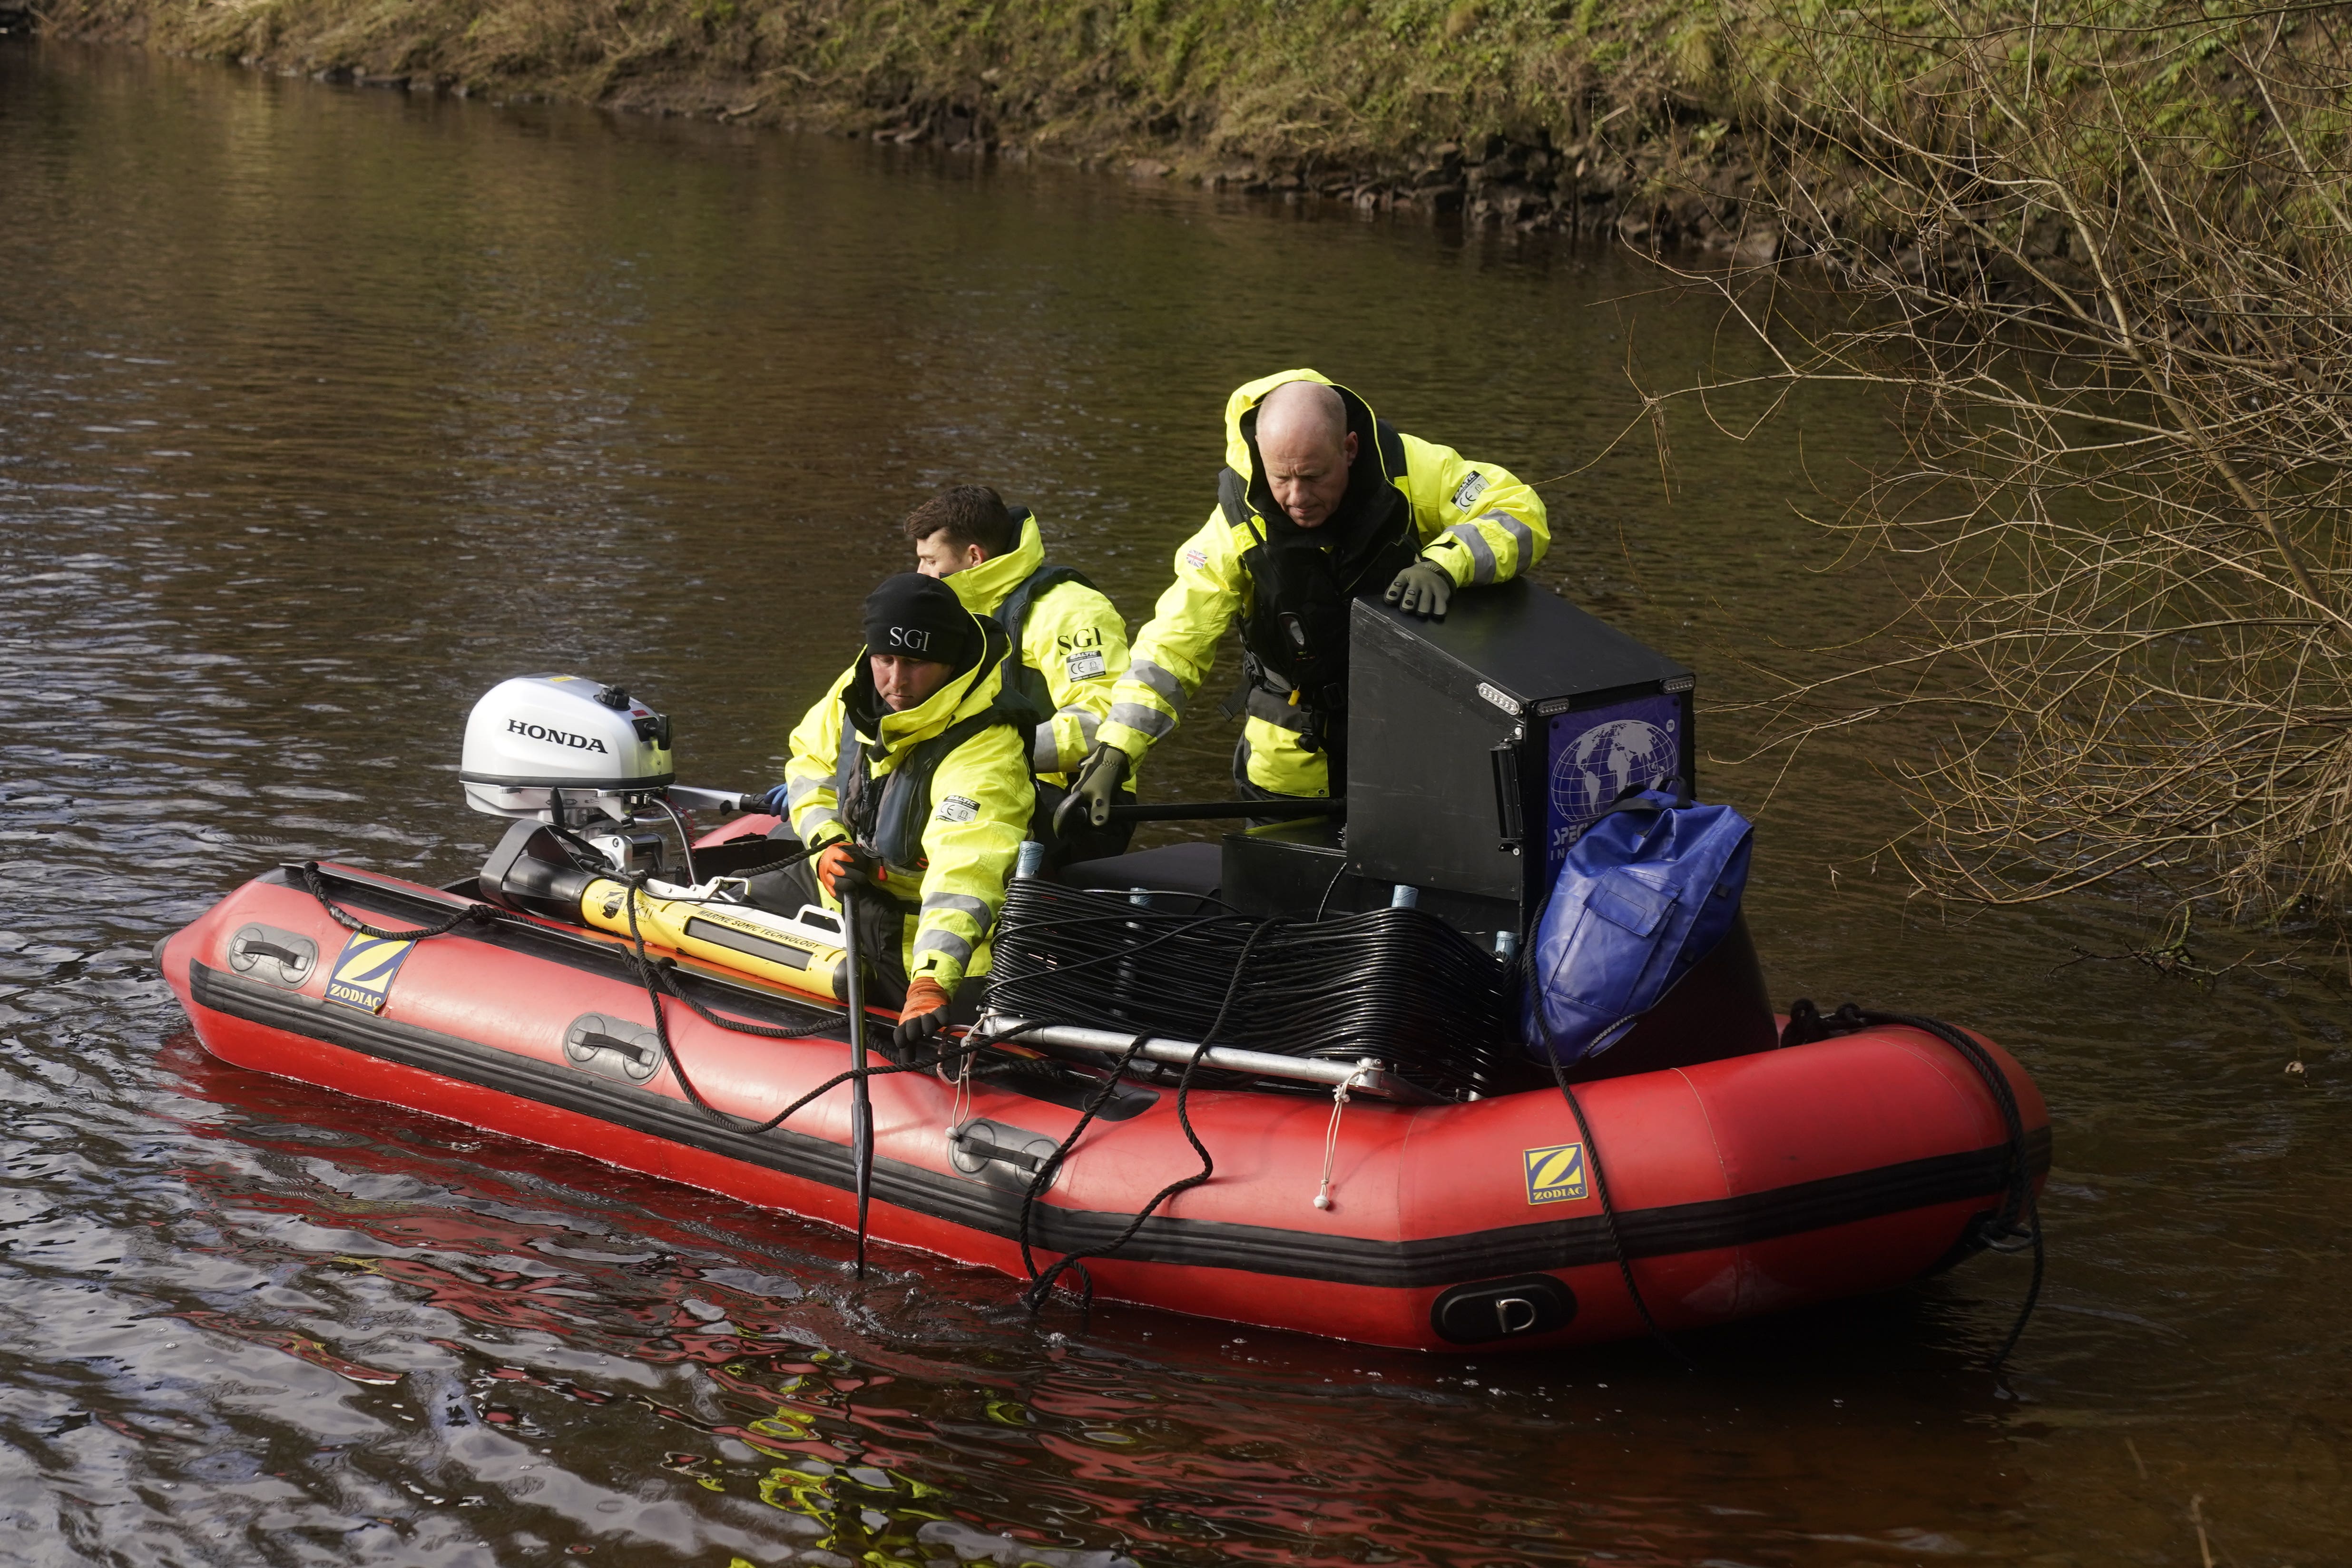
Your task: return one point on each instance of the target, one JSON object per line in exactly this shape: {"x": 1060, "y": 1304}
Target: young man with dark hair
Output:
{"x": 1068, "y": 644}
{"x": 958, "y": 529}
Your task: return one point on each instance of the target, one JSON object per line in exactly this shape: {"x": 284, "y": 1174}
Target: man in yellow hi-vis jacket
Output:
{"x": 912, "y": 775}
{"x": 1319, "y": 504}
{"x": 1069, "y": 644}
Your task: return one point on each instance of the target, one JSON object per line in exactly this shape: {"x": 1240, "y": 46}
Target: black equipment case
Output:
{"x": 1478, "y": 746}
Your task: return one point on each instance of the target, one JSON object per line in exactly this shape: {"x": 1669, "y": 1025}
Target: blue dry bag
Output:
{"x": 1647, "y": 891}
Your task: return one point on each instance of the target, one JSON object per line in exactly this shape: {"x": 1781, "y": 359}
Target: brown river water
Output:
{"x": 322, "y": 410}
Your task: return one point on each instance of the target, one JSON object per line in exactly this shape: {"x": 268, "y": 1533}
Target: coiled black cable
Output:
{"x": 1608, "y": 1218}
{"x": 1398, "y": 984}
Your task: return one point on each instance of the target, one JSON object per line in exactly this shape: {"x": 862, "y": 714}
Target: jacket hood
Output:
{"x": 983, "y": 587}
{"x": 1366, "y": 476}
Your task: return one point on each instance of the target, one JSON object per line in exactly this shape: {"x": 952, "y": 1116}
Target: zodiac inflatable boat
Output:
{"x": 1740, "y": 1186}
{"x": 1734, "y": 1177}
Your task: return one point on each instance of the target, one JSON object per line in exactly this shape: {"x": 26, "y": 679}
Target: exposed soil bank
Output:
{"x": 1555, "y": 114}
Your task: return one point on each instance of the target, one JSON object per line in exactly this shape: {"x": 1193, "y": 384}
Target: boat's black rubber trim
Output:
{"x": 1207, "y": 1244}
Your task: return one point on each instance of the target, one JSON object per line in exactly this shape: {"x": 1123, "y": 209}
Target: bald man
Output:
{"x": 1319, "y": 504}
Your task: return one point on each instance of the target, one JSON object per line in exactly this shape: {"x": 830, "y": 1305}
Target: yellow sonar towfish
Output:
{"x": 797, "y": 954}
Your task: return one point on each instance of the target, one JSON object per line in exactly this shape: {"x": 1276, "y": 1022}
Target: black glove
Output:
{"x": 1423, "y": 588}
{"x": 777, "y": 802}
{"x": 1095, "y": 787}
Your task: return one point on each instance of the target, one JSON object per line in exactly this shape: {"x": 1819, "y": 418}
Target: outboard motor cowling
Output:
{"x": 559, "y": 747}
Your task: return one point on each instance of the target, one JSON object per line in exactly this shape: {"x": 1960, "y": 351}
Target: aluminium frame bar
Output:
{"x": 1363, "y": 1075}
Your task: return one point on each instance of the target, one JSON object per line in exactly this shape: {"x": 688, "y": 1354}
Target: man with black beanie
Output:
{"x": 912, "y": 776}
{"x": 919, "y": 620}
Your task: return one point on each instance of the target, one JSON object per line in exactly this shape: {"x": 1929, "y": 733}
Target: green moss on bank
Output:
{"x": 1208, "y": 86}
{"x": 1641, "y": 117}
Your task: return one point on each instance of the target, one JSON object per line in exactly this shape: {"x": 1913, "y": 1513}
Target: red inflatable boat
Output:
{"x": 1737, "y": 1186}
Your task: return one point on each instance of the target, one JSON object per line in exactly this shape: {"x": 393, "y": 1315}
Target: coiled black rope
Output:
{"x": 2017, "y": 1223}
{"x": 1398, "y": 984}
{"x": 1041, "y": 1286}
{"x": 486, "y": 913}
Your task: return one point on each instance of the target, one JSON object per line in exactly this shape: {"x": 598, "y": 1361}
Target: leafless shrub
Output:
{"x": 2106, "y": 272}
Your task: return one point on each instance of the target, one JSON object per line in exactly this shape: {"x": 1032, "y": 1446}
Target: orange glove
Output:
{"x": 846, "y": 862}
{"x": 925, "y": 1014}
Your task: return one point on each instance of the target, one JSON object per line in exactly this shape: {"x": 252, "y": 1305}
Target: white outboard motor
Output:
{"x": 565, "y": 749}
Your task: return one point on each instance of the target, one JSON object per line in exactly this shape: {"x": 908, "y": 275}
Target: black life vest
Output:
{"x": 1294, "y": 630}
{"x": 1021, "y": 679}
{"x": 889, "y": 822}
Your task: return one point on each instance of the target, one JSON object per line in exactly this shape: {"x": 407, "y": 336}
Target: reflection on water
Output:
{"x": 322, "y": 411}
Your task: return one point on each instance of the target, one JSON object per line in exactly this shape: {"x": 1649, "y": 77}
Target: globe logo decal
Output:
{"x": 1600, "y": 765}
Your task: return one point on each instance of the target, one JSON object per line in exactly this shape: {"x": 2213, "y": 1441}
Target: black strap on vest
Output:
{"x": 1295, "y": 631}
{"x": 1020, "y": 677}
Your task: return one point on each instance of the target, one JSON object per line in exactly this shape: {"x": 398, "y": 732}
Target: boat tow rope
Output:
{"x": 1608, "y": 1218}
{"x": 658, "y": 976}
{"x": 1040, "y": 1285}
{"x": 2016, "y": 1226}
{"x": 1331, "y": 1135}
{"x": 489, "y": 913}
{"x": 486, "y": 913}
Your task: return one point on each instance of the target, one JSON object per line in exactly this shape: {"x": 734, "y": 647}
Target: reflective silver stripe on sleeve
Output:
{"x": 1482, "y": 554}
{"x": 1521, "y": 535}
{"x": 809, "y": 821}
{"x": 1162, "y": 681}
{"x": 1149, "y": 722}
{"x": 1046, "y": 756}
{"x": 800, "y": 789}
{"x": 964, "y": 904}
{"x": 934, "y": 940}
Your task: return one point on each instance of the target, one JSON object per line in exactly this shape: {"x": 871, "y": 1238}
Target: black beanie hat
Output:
{"x": 917, "y": 616}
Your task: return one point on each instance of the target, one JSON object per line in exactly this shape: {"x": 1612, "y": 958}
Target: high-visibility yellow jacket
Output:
{"x": 942, "y": 793}
{"x": 1474, "y": 518}
{"x": 1070, "y": 636}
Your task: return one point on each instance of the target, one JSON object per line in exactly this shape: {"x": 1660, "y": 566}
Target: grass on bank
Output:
{"x": 1344, "y": 81}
